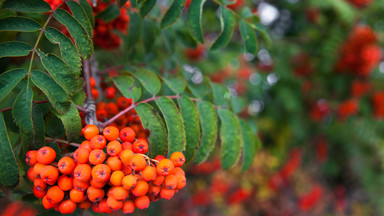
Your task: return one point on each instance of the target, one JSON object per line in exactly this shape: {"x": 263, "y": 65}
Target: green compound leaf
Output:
{"x": 176, "y": 84}
{"x": 68, "y": 51}
{"x": 172, "y": 13}
{"x": 127, "y": 87}
{"x": 38, "y": 126}
{"x": 230, "y": 136}
{"x": 149, "y": 80}
{"x": 249, "y": 144}
{"x": 20, "y": 24}
{"x": 22, "y": 109}
{"x": 221, "y": 95}
{"x": 80, "y": 15}
{"x": 14, "y": 48}
{"x": 71, "y": 121}
{"x": 146, "y": 6}
{"x": 88, "y": 10}
{"x": 55, "y": 93}
{"x": 201, "y": 89}
{"x": 209, "y": 129}
{"x": 79, "y": 34}
{"x": 175, "y": 126}
{"x": 134, "y": 31}
{"x": 249, "y": 37}
{"x": 195, "y": 13}
{"x": 191, "y": 126}
{"x": 59, "y": 71}
{"x": 9, "y": 171}
{"x": 228, "y": 23}
{"x": 29, "y": 6}
{"x": 152, "y": 121}
{"x": 110, "y": 13}
{"x": 9, "y": 80}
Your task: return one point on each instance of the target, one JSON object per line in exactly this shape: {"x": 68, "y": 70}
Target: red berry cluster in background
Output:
{"x": 361, "y": 53}
{"x": 54, "y": 3}
{"x": 360, "y": 3}
{"x": 307, "y": 201}
{"x": 378, "y": 104}
{"x": 301, "y": 64}
{"x": 109, "y": 172}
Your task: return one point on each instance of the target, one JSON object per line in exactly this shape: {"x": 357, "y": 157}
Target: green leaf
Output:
{"x": 134, "y": 32}
{"x": 9, "y": 171}
{"x": 220, "y": 94}
{"x": 263, "y": 33}
{"x": 80, "y": 15}
{"x": 58, "y": 130}
{"x": 88, "y": 10}
{"x": 146, "y": 6}
{"x": 249, "y": 37}
{"x": 127, "y": 87}
{"x": 230, "y": 136}
{"x": 72, "y": 122}
{"x": 199, "y": 90}
{"x": 172, "y": 13}
{"x": 195, "y": 13}
{"x": 149, "y": 80}
{"x": 67, "y": 49}
{"x": 152, "y": 121}
{"x": 186, "y": 39}
{"x": 38, "y": 126}
{"x": 228, "y": 23}
{"x": 59, "y": 71}
{"x": 79, "y": 34}
{"x": 20, "y": 24}
{"x": 110, "y": 13}
{"x": 175, "y": 126}
{"x": 55, "y": 93}
{"x": 30, "y": 6}
{"x": 22, "y": 109}
{"x": 176, "y": 84}
{"x": 150, "y": 33}
{"x": 191, "y": 125}
{"x": 14, "y": 48}
{"x": 209, "y": 128}
{"x": 9, "y": 80}
{"x": 249, "y": 144}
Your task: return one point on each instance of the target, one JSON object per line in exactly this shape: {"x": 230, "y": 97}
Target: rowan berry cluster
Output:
{"x": 108, "y": 172}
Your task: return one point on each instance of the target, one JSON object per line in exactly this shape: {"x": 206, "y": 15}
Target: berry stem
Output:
{"x": 148, "y": 158}
{"x": 118, "y": 115}
{"x": 81, "y": 109}
{"x": 61, "y": 141}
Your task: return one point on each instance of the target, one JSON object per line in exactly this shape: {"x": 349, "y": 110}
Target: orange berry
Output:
{"x": 159, "y": 180}
{"x": 46, "y": 155}
{"x": 90, "y": 131}
{"x": 178, "y": 159}
{"x": 100, "y": 105}
{"x": 104, "y": 208}
{"x": 170, "y": 182}
{"x": 111, "y": 109}
{"x": 82, "y": 172}
{"x": 109, "y": 93}
{"x": 30, "y": 157}
{"x": 98, "y": 142}
{"x": 96, "y": 157}
{"x": 81, "y": 155}
{"x": 101, "y": 114}
{"x": 127, "y": 134}
{"x": 30, "y": 174}
{"x": 117, "y": 178}
{"x": 49, "y": 174}
{"x": 129, "y": 182}
{"x": 95, "y": 93}
{"x": 101, "y": 173}
{"x": 37, "y": 169}
{"x": 120, "y": 193}
{"x": 167, "y": 193}
{"x": 111, "y": 133}
{"x": 127, "y": 170}
{"x": 92, "y": 82}
{"x": 181, "y": 182}
{"x": 114, "y": 163}
{"x": 138, "y": 162}
{"x": 140, "y": 189}
{"x": 66, "y": 165}
{"x": 153, "y": 190}
{"x": 77, "y": 196}
{"x": 65, "y": 182}
{"x": 39, "y": 184}
{"x": 47, "y": 204}
{"x": 126, "y": 145}
{"x": 165, "y": 167}
{"x": 95, "y": 194}
{"x": 97, "y": 184}
{"x": 140, "y": 146}
{"x": 123, "y": 102}
{"x": 149, "y": 173}
{"x": 79, "y": 185}
{"x": 126, "y": 157}
{"x": 55, "y": 194}
{"x": 86, "y": 204}
{"x": 114, "y": 148}
{"x": 86, "y": 144}
{"x": 128, "y": 207}
{"x": 142, "y": 202}
{"x": 160, "y": 157}
{"x": 67, "y": 207}
{"x": 39, "y": 193}
{"x": 178, "y": 171}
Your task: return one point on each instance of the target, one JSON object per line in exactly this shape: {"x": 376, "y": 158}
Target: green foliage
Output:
{"x": 195, "y": 13}
{"x": 14, "y": 48}
{"x": 149, "y": 80}
{"x": 30, "y": 6}
{"x": 20, "y": 24}
{"x": 146, "y": 6}
{"x": 110, "y": 13}
{"x": 80, "y": 15}
{"x": 127, "y": 87}
{"x": 227, "y": 20}
{"x": 9, "y": 80}
{"x": 71, "y": 121}
{"x": 172, "y": 13}
{"x": 249, "y": 37}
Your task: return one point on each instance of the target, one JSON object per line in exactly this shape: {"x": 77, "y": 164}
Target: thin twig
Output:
{"x": 61, "y": 141}
{"x": 87, "y": 78}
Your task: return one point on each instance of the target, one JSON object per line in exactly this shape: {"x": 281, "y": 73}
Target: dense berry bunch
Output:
{"x": 378, "y": 104}
{"x": 109, "y": 172}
